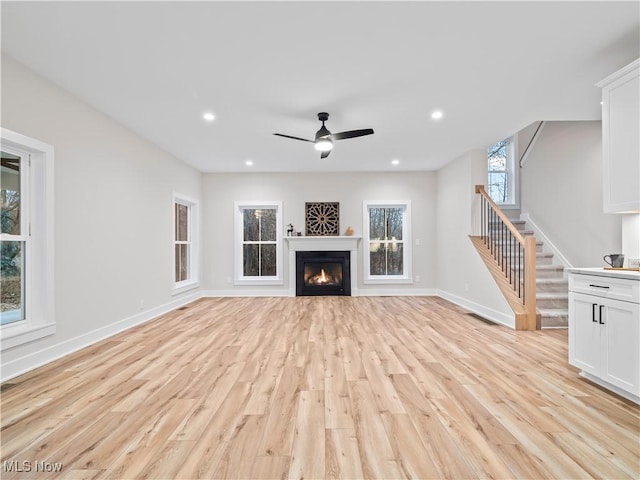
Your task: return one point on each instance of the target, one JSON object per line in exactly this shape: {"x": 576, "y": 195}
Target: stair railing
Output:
{"x": 532, "y": 140}
{"x": 514, "y": 253}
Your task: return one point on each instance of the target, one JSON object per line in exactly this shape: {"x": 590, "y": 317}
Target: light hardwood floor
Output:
{"x": 318, "y": 387}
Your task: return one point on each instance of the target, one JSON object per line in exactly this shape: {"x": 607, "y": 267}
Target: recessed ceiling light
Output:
{"x": 395, "y": 161}
{"x": 248, "y": 163}
{"x": 209, "y": 117}
{"x": 436, "y": 114}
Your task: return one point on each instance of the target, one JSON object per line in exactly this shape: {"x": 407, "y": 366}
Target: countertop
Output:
{"x": 626, "y": 274}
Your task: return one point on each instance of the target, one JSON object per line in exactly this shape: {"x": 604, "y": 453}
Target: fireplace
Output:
{"x": 323, "y": 273}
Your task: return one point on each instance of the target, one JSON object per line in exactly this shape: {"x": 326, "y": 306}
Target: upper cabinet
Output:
{"x": 621, "y": 139}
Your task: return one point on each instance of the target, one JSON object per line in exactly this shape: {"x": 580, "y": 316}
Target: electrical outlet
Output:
{"x": 633, "y": 263}
{"x": 417, "y": 278}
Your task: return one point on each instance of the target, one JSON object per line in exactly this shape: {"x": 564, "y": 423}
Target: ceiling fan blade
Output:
{"x": 295, "y": 138}
{"x": 352, "y": 134}
{"x": 325, "y": 154}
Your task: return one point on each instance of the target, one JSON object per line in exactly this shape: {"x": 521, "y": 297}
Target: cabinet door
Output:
{"x": 584, "y": 332}
{"x": 620, "y": 141}
{"x": 620, "y": 362}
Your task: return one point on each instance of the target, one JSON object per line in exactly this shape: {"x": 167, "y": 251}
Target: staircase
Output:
{"x": 552, "y": 290}
{"x": 532, "y": 285}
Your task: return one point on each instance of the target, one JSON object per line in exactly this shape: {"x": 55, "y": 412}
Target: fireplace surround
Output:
{"x": 323, "y": 244}
{"x": 323, "y": 273}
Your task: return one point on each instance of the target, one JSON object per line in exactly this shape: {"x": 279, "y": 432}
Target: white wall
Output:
{"x": 462, "y": 275}
{"x": 561, "y": 190}
{"x": 113, "y": 215}
{"x": 630, "y": 236}
{"x": 350, "y": 189}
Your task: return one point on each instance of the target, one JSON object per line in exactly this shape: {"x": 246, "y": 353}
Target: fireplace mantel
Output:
{"x": 326, "y": 244}
{"x": 329, "y": 243}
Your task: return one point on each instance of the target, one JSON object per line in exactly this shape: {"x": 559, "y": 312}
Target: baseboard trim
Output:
{"x": 280, "y": 292}
{"x": 360, "y": 292}
{"x": 394, "y": 292}
{"x": 557, "y": 254}
{"x": 493, "y": 315}
{"x": 47, "y": 355}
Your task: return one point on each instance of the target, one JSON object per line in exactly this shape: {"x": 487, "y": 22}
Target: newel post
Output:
{"x": 530, "y": 282}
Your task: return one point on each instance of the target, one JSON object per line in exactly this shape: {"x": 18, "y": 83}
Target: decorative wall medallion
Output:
{"x": 322, "y": 218}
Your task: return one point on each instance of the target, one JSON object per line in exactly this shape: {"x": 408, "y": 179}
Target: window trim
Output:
{"x": 406, "y": 277}
{"x": 239, "y": 278}
{"x": 39, "y": 254}
{"x": 193, "y": 229}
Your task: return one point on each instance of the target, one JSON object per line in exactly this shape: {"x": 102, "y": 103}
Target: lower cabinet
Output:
{"x": 604, "y": 341}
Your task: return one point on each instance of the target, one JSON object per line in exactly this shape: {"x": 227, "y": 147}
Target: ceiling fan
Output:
{"x": 324, "y": 138}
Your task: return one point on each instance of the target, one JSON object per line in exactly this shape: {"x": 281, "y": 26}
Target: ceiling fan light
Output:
{"x": 323, "y": 144}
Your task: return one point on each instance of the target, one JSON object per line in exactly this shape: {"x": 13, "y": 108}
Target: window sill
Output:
{"x": 184, "y": 287}
{"x": 15, "y": 335}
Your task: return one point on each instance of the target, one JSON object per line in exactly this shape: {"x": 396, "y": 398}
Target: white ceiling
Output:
{"x": 266, "y": 67}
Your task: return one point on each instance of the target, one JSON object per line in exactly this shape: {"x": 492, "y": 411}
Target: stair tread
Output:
{"x": 551, "y": 295}
{"x": 553, "y": 312}
{"x": 500, "y": 242}
{"x": 515, "y": 222}
{"x": 558, "y": 280}
{"x": 539, "y": 256}
{"x": 524, "y": 233}
{"x": 542, "y": 255}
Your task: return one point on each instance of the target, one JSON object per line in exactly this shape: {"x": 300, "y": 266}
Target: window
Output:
{"x": 502, "y": 179}
{"x": 26, "y": 234}
{"x": 387, "y": 246}
{"x": 184, "y": 238}
{"x": 258, "y": 242}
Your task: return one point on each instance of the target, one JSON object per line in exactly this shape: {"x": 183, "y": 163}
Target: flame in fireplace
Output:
{"x": 322, "y": 278}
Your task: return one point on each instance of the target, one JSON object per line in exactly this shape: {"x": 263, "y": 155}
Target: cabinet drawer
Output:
{"x": 607, "y": 287}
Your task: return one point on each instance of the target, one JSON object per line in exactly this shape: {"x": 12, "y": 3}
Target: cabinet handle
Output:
{"x": 598, "y": 286}
{"x": 593, "y": 312}
{"x": 600, "y": 308}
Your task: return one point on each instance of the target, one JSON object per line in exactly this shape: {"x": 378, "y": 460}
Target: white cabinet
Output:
{"x": 604, "y": 333}
{"x": 585, "y": 332}
{"x": 621, "y": 139}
